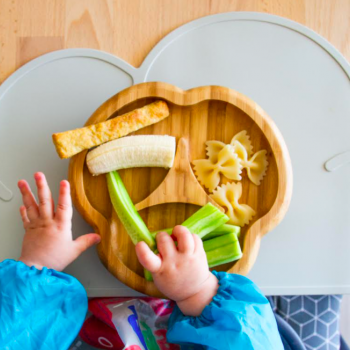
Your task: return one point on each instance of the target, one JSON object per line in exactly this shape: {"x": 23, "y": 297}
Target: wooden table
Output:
{"x": 130, "y": 28}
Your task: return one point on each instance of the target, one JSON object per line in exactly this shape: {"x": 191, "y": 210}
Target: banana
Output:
{"x": 132, "y": 152}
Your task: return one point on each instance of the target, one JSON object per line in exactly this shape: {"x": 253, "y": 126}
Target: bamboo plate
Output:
{"x": 167, "y": 197}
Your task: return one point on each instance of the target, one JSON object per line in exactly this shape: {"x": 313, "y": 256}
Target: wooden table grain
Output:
{"x": 130, "y": 28}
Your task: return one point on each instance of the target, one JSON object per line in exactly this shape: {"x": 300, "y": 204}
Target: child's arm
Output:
{"x": 40, "y": 307}
{"x": 216, "y": 310}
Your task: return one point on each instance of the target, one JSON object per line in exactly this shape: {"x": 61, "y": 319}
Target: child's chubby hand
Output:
{"x": 181, "y": 273}
{"x": 48, "y": 238}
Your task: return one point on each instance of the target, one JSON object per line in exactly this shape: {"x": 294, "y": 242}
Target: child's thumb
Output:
{"x": 147, "y": 258}
{"x": 86, "y": 241}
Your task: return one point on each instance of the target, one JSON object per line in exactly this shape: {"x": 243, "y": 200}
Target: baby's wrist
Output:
{"x": 195, "y": 304}
{"x": 30, "y": 263}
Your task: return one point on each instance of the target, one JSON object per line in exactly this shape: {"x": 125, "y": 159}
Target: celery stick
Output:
{"x": 223, "y": 230}
{"x": 167, "y": 230}
{"x": 223, "y": 249}
{"x": 126, "y": 211}
{"x": 223, "y": 255}
{"x": 148, "y": 275}
{"x": 220, "y": 231}
{"x": 220, "y": 241}
{"x": 205, "y": 220}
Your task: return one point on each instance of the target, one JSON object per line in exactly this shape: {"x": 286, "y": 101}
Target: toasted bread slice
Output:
{"x": 71, "y": 142}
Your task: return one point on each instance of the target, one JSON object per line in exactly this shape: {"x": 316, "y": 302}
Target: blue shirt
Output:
{"x": 45, "y": 309}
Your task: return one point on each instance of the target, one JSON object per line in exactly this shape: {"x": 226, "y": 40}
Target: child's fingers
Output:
{"x": 24, "y": 216}
{"x": 185, "y": 242}
{"x": 28, "y": 200}
{"x": 86, "y": 241}
{"x": 44, "y": 196}
{"x": 165, "y": 245}
{"x": 64, "y": 210}
{"x": 147, "y": 258}
{"x": 198, "y": 244}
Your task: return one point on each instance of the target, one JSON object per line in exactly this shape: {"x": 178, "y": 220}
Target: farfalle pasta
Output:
{"x": 256, "y": 165}
{"x": 226, "y": 163}
{"x": 228, "y": 196}
{"x": 214, "y": 147}
{"x": 229, "y": 160}
{"x": 244, "y": 139}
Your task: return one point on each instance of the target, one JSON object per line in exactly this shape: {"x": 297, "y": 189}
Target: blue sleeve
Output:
{"x": 39, "y": 309}
{"x": 239, "y": 317}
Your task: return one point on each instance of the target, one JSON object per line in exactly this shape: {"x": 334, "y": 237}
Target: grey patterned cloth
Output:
{"x": 315, "y": 318}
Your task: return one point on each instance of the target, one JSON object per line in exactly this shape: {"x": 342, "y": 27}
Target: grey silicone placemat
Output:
{"x": 294, "y": 74}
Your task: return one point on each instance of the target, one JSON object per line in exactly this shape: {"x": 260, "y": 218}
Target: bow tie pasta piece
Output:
{"x": 207, "y": 173}
{"x": 228, "y": 196}
{"x": 228, "y": 164}
{"x": 214, "y": 147}
{"x": 256, "y": 166}
{"x": 244, "y": 139}
{"x": 241, "y": 152}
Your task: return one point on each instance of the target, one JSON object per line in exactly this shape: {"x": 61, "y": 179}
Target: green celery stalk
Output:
{"x": 220, "y": 231}
{"x": 205, "y": 220}
{"x": 169, "y": 231}
{"x": 148, "y": 276}
{"x": 222, "y": 249}
{"x": 223, "y": 230}
{"x": 223, "y": 255}
{"x": 126, "y": 211}
{"x": 220, "y": 241}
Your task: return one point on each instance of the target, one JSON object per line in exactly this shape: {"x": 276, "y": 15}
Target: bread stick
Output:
{"x": 71, "y": 142}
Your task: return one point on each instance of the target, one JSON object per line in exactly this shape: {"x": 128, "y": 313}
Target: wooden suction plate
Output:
{"x": 166, "y": 198}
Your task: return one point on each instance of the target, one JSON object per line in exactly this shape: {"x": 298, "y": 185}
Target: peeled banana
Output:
{"x": 132, "y": 152}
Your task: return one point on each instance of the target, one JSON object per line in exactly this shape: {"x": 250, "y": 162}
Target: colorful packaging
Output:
{"x": 128, "y": 324}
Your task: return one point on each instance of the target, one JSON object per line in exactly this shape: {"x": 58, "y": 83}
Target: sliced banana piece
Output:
{"x": 132, "y": 152}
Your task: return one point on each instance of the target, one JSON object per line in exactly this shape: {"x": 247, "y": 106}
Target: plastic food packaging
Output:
{"x": 127, "y": 324}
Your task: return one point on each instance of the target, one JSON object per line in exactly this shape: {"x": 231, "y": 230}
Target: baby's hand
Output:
{"x": 181, "y": 273}
{"x": 48, "y": 235}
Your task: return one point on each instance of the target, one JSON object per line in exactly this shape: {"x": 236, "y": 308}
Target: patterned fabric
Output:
{"x": 315, "y": 318}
